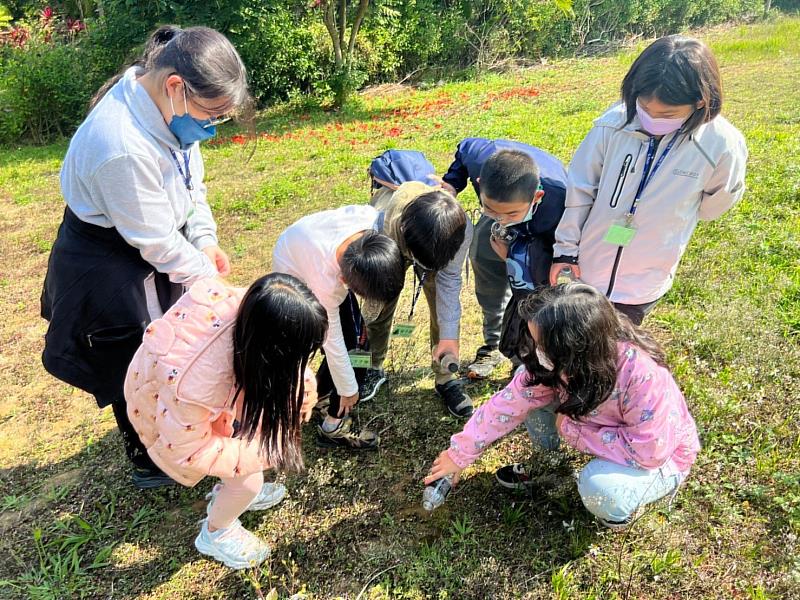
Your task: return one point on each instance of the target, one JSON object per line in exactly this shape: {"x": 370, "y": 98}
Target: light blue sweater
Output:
{"x": 118, "y": 172}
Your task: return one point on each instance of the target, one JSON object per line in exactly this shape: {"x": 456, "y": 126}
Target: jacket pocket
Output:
{"x": 112, "y": 336}
{"x": 623, "y": 175}
{"x": 109, "y": 353}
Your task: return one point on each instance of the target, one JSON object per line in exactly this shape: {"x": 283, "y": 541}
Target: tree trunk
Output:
{"x": 363, "y": 5}
{"x": 329, "y": 18}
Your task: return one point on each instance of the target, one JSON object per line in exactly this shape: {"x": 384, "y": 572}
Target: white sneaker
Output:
{"x": 234, "y": 546}
{"x": 270, "y": 495}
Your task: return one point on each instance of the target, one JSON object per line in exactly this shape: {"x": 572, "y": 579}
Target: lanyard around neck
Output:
{"x": 184, "y": 171}
{"x": 648, "y": 172}
{"x": 417, "y": 289}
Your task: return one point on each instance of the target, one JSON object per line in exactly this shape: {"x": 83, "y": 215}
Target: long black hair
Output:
{"x": 578, "y": 330}
{"x": 280, "y": 324}
{"x": 677, "y": 70}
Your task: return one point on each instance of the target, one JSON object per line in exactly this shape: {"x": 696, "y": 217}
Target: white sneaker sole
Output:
{"x": 212, "y": 552}
{"x": 375, "y": 389}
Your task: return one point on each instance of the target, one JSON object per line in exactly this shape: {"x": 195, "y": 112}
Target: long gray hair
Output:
{"x": 204, "y": 58}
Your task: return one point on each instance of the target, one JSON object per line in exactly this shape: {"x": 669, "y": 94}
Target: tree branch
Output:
{"x": 362, "y": 12}
{"x": 342, "y": 22}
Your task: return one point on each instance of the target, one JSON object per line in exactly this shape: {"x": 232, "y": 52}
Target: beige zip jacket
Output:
{"x": 701, "y": 177}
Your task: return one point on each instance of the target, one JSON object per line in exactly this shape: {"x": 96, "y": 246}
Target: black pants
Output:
{"x": 134, "y": 448}
{"x": 354, "y": 331}
{"x": 636, "y": 312}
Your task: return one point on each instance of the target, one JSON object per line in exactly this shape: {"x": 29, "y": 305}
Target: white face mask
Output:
{"x": 544, "y": 360}
{"x": 655, "y": 126}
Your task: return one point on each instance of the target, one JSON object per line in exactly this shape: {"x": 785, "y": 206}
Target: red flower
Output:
{"x": 46, "y": 14}
{"x": 75, "y": 25}
{"x": 394, "y": 132}
{"x": 238, "y": 139}
{"x": 20, "y": 36}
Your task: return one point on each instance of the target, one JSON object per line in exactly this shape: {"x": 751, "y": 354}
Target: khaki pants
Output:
{"x": 379, "y": 330}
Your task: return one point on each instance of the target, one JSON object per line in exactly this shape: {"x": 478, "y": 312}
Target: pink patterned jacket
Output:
{"x": 645, "y": 423}
{"x": 180, "y": 385}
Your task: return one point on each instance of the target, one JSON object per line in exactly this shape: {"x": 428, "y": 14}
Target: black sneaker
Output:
{"x": 347, "y": 436}
{"x": 457, "y": 401}
{"x": 148, "y": 479}
{"x": 518, "y": 477}
{"x": 486, "y": 360}
{"x": 373, "y": 381}
{"x": 514, "y": 477}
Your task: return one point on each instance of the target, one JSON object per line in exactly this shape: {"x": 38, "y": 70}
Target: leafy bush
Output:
{"x": 287, "y": 50}
{"x": 44, "y": 87}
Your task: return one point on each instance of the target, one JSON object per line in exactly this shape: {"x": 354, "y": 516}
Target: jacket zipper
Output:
{"x": 613, "y": 279}
{"x": 623, "y": 175}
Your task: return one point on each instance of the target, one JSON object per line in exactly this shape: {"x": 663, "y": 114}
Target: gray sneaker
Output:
{"x": 486, "y": 360}
{"x": 270, "y": 495}
{"x": 347, "y": 435}
{"x": 234, "y": 546}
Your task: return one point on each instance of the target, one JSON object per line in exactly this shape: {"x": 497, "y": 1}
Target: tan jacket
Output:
{"x": 448, "y": 280}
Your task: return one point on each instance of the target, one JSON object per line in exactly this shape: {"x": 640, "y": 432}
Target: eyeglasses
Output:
{"x": 216, "y": 121}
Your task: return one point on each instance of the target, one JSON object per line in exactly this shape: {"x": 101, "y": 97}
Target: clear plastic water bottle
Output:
{"x": 565, "y": 275}
{"x": 449, "y": 362}
{"x": 436, "y": 493}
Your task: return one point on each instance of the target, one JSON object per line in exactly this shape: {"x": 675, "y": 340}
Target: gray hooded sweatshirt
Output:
{"x": 700, "y": 178}
{"x": 118, "y": 172}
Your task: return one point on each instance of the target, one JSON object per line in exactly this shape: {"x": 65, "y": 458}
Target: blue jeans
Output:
{"x": 609, "y": 491}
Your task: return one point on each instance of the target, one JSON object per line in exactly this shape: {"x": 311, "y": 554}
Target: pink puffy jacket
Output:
{"x": 180, "y": 385}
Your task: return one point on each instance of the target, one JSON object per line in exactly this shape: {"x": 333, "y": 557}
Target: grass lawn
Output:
{"x": 72, "y": 526}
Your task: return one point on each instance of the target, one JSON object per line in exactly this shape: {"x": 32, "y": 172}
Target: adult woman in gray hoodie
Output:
{"x": 137, "y": 227}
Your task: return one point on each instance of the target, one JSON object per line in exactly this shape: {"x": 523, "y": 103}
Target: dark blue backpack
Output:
{"x": 395, "y": 167}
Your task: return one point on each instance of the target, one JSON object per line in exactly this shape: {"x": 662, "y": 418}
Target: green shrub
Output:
{"x": 288, "y": 52}
{"x": 284, "y": 52}
{"x": 44, "y": 85}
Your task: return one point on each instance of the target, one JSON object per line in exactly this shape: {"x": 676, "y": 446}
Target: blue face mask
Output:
{"x": 187, "y": 129}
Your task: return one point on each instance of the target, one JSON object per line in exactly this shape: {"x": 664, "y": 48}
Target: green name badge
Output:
{"x": 403, "y": 330}
{"x": 619, "y": 235}
{"x": 360, "y": 359}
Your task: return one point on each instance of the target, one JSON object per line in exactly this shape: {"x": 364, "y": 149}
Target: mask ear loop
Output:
{"x": 185, "y": 101}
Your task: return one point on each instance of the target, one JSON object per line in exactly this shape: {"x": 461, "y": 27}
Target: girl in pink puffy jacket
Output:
{"x": 219, "y": 387}
{"x": 600, "y": 384}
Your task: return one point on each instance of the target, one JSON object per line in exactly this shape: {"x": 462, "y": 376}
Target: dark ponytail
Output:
{"x": 279, "y": 326}
{"x": 159, "y": 38}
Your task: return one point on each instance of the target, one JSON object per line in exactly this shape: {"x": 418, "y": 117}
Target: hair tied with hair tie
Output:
{"x": 166, "y": 34}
